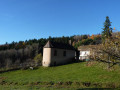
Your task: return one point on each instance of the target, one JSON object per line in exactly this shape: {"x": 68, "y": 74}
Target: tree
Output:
{"x": 38, "y": 59}
{"x": 109, "y": 52}
{"x": 107, "y": 30}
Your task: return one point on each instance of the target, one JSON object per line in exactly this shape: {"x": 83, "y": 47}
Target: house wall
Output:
{"x": 51, "y": 60}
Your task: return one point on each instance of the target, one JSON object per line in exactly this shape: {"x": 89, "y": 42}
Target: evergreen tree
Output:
{"x": 107, "y": 30}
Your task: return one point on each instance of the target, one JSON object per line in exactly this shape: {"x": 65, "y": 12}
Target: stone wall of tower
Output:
{"x": 46, "y": 57}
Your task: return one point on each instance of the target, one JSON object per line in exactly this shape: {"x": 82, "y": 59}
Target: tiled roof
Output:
{"x": 88, "y": 47}
{"x": 51, "y": 44}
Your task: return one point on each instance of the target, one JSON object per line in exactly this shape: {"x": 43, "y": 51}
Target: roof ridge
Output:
{"x": 51, "y": 44}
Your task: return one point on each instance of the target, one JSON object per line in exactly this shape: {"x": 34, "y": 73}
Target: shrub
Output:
{"x": 38, "y": 59}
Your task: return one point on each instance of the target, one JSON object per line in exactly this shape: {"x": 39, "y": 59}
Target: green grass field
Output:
{"x": 94, "y": 73}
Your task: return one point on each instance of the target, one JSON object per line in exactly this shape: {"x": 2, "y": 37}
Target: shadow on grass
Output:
{"x": 67, "y": 63}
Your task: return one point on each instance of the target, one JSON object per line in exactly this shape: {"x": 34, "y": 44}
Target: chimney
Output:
{"x": 70, "y": 42}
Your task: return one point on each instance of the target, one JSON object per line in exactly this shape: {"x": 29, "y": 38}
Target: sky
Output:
{"x": 22, "y": 20}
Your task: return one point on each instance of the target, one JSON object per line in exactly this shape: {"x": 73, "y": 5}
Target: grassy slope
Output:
{"x": 71, "y": 72}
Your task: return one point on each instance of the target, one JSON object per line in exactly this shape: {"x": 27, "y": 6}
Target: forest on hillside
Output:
{"x": 28, "y": 53}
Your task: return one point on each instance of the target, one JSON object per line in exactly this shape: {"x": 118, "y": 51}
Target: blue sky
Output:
{"x": 29, "y": 19}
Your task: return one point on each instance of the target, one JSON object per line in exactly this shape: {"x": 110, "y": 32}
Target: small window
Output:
{"x": 64, "y": 53}
{"x": 55, "y": 53}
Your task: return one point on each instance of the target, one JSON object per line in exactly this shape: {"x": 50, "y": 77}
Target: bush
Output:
{"x": 38, "y": 60}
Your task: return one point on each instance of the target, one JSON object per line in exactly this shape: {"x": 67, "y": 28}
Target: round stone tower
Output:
{"x": 47, "y": 54}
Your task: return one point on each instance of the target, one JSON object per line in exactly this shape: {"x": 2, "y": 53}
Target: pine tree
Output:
{"x": 107, "y": 30}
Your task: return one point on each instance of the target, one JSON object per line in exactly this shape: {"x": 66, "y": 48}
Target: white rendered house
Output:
{"x": 84, "y": 55}
{"x": 86, "y": 51}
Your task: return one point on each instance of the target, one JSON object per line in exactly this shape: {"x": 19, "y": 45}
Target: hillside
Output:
{"x": 22, "y": 54}
{"x": 93, "y": 74}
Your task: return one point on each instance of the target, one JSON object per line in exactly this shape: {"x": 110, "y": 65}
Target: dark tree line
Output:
{"x": 42, "y": 41}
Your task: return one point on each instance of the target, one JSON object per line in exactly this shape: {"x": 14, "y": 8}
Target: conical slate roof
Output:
{"x": 48, "y": 45}
{"x": 51, "y": 44}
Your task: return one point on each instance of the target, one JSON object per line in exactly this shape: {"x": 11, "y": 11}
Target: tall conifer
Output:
{"x": 107, "y": 30}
